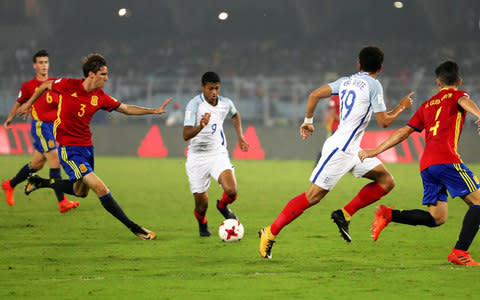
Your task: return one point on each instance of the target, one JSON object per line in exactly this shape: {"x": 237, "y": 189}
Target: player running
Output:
{"x": 360, "y": 94}
{"x": 207, "y": 153}
{"x": 81, "y": 99}
{"x": 44, "y": 113}
{"x": 441, "y": 168}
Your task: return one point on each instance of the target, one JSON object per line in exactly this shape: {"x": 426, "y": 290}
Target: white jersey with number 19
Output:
{"x": 211, "y": 139}
{"x": 360, "y": 94}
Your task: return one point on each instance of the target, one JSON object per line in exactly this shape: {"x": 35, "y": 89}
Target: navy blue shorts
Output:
{"x": 43, "y": 138}
{"x": 456, "y": 178}
{"x": 77, "y": 161}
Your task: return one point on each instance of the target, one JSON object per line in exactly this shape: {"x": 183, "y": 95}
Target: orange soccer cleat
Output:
{"x": 8, "y": 189}
{"x": 383, "y": 216}
{"x": 66, "y": 205}
{"x": 460, "y": 257}
{"x": 143, "y": 233}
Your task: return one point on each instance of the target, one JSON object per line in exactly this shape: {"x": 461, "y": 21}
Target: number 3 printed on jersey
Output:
{"x": 348, "y": 99}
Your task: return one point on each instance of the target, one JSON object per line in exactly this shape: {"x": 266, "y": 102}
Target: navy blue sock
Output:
{"x": 413, "y": 217}
{"x": 469, "y": 228}
{"x": 56, "y": 174}
{"x": 112, "y": 207}
{"x": 60, "y": 185}
{"x": 21, "y": 175}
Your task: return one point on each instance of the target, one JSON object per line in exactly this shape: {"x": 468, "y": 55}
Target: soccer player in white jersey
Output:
{"x": 207, "y": 153}
{"x": 360, "y": 95}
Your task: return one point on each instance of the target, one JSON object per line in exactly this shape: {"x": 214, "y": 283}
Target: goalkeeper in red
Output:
{"x": 81, "y": 99}
{"x": 441, "y": 168}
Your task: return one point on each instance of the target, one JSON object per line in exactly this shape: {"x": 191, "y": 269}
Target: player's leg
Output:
{"x": 110, "y": 205}
{"x": 200, "y": 212}
{"x": 64, "y": 204}
{"x": 294, "y": 208}
{"x": 229, "y": 184}
{"x": 8, "y": 186}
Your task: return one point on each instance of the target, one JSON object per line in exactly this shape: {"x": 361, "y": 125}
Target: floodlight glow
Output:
{"x": 122, "y": 12}
{"x": 398, "y": 4}
{"x": 223, "y": 16}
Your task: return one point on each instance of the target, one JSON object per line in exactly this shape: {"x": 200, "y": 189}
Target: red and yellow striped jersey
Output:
{"x": 442, "y": 118}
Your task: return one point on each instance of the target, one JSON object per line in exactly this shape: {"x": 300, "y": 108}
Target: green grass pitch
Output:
{"x": 86, "y": 253}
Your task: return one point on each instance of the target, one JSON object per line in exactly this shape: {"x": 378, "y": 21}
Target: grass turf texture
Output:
{"x": 87, "y": 253}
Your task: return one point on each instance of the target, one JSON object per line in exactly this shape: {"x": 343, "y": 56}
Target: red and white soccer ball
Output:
{"x": 231, "y": 230}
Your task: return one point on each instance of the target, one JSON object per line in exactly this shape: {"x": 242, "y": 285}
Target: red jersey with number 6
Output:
{"x": 45, "y": 108}
{"x": 76, "y": 108}
{"x": 442, "y": 118}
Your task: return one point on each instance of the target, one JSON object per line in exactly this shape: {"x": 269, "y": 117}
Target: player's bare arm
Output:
{"x": 11, "y": 115}
{"x": 138, "y": 110}
{"x": 237, "y": 123}
{"x": 397, "y": 137}
{"x": 24, "y": 109}
{"x": 190, "y": 131}
{"x": 384, "y": 118}
{"x": 307, "y": 128}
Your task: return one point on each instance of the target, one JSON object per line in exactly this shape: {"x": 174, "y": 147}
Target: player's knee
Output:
{"x": 439, "y": 220}
{"x": 37, "y": 165}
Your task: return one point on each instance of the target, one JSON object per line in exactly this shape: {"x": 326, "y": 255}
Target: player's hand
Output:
{"x": 406, "y": 101}
{"x": 205, "y": 119}
{"x": 162, "y": 109}
{"x": 23, "y": 110}
{"x": 478, "y": 125}
{"x": 6, "y": 124}
{"x": 366, "y": 153}
{"x": 243, "y": 144}
{"x": 306, "y": 129}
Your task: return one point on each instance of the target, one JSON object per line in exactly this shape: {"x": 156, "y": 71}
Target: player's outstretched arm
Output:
{"x": 384, "y": 118}
{"x": 396, "y": 137}
{"x": 11, "y": 115}
{"x": 237, "y": 123}
{"x": 138, "y": 110}
{"x": 24, "y": 109}
{"x": 191, "y": 131}
{"x": 307, "y": 128}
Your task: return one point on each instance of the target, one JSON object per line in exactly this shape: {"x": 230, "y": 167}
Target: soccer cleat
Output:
{"x": 267, "y": 239}
{"x": 383, "y": 216}
{"x": 227, "y": 213}
{"x": 66, "y": 205}
{"x": 144, "y": 233}
{"x": 33, "y": 183}
{"x": 8, "y": 189}
{"x": 204, "y": 230}
{"x": 342, "y": 224}
{"x": 460, "y": 257}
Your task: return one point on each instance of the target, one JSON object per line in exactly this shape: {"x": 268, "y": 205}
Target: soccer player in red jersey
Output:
{"x": 81, "y": 99}
{"x": 43, "y": 113}
{"x": 441, "y": 168}
{"x": 333, "y": 114}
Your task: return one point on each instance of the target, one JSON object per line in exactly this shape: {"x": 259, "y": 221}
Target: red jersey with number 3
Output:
{"x": 45, "y": 108}
{"x": 75, "y": 111}
{"x": 442, "y": 118}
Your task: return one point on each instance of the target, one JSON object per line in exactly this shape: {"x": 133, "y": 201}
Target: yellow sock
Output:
{"x": 346, "y": 215}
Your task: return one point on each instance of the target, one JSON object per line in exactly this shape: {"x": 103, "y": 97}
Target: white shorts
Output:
{"x": 335, "y": 163}
{"x": 201, "y": 167}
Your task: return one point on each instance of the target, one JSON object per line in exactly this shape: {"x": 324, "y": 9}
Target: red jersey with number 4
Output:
{"x": 76, "y": 109}
{"x": 45, "y": 108}
{"x": 442, "y": 118}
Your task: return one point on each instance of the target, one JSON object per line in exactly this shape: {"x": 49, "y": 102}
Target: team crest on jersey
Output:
{"x": 82, "y": 168}
{"x": 74, "y": 95}
{"x": 94, "y": 101}
{"x": 51, "y": 144}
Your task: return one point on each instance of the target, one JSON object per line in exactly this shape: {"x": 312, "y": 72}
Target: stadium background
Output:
{"x": 270, "y": 55}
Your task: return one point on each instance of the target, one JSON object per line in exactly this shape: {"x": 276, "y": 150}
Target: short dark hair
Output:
{"x": 210, "y": 77}
{"x": 40, "y": 53}
{"x": 448, "y": 73}
{"x": 371, "y": 59}
{"x": 93, "y": 62}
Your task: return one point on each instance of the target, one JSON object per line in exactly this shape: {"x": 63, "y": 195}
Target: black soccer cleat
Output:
{"x": 227, "y": 213}
{"x": 33, "y": 183}
{"x": 204, "y": 230}
{"x": 339, "y": 219}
